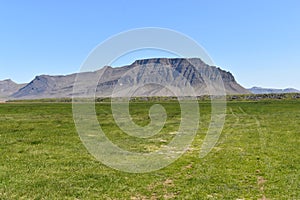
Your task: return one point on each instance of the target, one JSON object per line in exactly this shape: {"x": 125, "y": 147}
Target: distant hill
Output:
{"x": 259, "y": 90}
{"x": 158, "y": 70}
{"x": 8, "y": 87}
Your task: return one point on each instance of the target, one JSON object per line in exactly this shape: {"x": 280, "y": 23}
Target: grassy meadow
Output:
{"x": 257, "y": 155}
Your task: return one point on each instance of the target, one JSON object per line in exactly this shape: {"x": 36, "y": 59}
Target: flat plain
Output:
{"x": 256, "y": 157}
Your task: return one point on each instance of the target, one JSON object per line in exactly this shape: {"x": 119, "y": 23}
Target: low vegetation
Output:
{"x": 257, "y": 155}
{"x": 240, "y": 97}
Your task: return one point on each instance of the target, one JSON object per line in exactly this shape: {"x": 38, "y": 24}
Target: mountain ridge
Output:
{"x": 261, "y": 90}
{"x": 9, "y": 87}
{"x": 179, "y": 71}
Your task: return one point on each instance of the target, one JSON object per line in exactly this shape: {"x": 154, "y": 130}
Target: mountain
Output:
{"x": 259, "y": 90}
{"x": 151, "y": 74}
{"x": 8, "y": 87}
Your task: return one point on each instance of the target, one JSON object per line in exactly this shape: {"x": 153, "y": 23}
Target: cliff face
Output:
{"x": 177, "y": 71}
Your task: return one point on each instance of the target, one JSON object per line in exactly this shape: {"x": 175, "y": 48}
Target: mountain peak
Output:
{"x": 151, "y": 61}
{"x": 8, "y": 80}
{"x": 167, "y": 61}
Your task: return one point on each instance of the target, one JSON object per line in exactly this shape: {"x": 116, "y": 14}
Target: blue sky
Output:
{"x": 258, "y": 41}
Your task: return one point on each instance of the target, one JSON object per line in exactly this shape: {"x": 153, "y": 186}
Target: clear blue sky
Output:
{"x": 257, "y": 40}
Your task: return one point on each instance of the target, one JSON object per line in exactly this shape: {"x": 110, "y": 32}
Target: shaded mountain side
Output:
{"x": 162, "y": 71}
{"x": 260, "y": 90}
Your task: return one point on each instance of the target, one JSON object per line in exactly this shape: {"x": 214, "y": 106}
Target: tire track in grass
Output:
{"x": 261, "y": 132}
{"x": 244, "y": 120}
{"x": 242, "y": 111}
{"x": 266, "y": 161}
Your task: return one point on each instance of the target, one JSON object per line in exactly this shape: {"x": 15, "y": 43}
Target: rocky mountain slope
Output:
{"x": 260, "y": 90}
{"x": 153, "y": 74}
{"x": 8, "y": 87}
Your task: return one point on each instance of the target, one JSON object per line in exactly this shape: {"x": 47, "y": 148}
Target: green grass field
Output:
{"x": 257, "y": 155}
